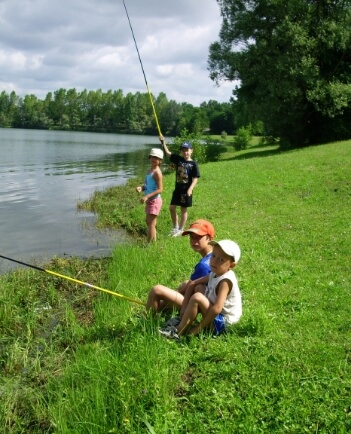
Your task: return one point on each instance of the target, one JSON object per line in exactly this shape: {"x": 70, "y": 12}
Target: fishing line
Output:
{"x": 142, "y": 68}
{"x": 89, "y": 285}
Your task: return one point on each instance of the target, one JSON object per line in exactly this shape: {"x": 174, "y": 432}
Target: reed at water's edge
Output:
{"x": 74, "y": 360}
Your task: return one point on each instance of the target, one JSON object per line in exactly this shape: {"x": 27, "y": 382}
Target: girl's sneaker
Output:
{"x": 177, "y": 233}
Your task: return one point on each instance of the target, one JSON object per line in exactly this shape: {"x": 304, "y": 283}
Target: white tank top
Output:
{"x": 232, "y": 309}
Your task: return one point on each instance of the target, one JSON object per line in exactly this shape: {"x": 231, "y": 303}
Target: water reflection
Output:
{"x": 45, "y": 173}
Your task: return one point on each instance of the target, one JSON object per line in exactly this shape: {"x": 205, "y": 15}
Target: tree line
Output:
{"x": 112, "y": 111}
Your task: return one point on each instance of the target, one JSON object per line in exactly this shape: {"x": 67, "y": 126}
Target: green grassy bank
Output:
{"x": 75, "y": 360}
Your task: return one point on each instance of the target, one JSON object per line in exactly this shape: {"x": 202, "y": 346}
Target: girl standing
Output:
{"x": 152, "y": 189}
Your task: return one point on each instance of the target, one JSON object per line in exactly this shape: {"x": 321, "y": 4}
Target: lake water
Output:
{"x": 44, "y": 174}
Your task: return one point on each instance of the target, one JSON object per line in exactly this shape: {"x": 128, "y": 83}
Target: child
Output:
{"x": 187, "y": 175}
{"x": 152, "y": 189}
{"x": 201, "y": 232}
{"x": 216, "y": 296}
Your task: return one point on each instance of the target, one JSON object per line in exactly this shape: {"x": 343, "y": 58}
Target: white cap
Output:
{"x": 229, "y": 247}
{"x": 155, "y": 152}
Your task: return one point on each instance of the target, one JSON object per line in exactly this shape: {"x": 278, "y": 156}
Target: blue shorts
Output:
{"x": 218, "y": 324}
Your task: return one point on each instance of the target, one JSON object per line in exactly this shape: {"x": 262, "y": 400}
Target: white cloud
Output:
{"x": 88, "y": 44}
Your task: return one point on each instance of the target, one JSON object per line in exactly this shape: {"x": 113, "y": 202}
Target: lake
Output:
{"x": 44, "y": 174}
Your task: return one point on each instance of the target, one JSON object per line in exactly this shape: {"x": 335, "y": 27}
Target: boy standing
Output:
{"x": 187, "y": 175}
{"x": 216, "y": 296}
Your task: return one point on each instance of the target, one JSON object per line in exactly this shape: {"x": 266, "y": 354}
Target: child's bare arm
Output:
{"x": 165, "y": 147}
{"x": 191, "y": 285}
{"x": 192, "y": 185}
{"x": 187, "y": 294}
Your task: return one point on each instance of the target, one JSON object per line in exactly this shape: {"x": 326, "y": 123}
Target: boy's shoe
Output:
{"x": 177, "y": 233}
{"x": 170, "y": 333}
{"x": 172, "y": 322}
{"x": 173, "y": 231}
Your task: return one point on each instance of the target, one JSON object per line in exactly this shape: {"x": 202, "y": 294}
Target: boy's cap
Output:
{"x": 229, "y": 247}
{"x": 186, "y": 145}
{"x": 155, "y": 152}
{"x": 200, "y": 227}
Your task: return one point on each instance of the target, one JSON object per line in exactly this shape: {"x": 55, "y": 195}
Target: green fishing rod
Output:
{"x": 71, "y": 279}
{"x": 142, "y": 68}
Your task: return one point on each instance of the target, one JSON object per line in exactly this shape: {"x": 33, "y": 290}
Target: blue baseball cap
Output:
{"x": 186, "y": 145}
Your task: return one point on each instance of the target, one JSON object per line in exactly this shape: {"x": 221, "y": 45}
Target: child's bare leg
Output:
{"x": 151, "y": 221}
{"x": 183, "y": 217}
{"x": 197, "y": 303}
{"x": 174, "y": 216}
{"x": 190, "y": 290}
{"x": 160, "y": 297}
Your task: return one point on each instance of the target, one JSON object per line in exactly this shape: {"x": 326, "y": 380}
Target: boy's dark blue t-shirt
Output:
{"x": 202, "y": 268}
{"x": 185, "y": 171}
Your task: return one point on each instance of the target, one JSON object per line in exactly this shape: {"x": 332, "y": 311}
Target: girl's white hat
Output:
{"x": 155, "y": 152}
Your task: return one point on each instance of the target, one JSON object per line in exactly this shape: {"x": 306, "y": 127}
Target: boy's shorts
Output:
{"x": 153, "y": 206}
{"x": 181, "y": 199}
{"x": 218, "y": 324}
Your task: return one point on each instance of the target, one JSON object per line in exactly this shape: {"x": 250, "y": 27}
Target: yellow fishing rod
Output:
{"x": 142, "y": 68}
{"x": 71, "y": 279}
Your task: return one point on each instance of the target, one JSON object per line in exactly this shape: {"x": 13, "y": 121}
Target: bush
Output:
{"x": 214, "y": 149}
{"x": 211, "y": 150}
{"x": 199, "y": 150}
{"x": 268, "y": 141}
{"x": 224, "y": 135}
{"x": 243, "y": 138}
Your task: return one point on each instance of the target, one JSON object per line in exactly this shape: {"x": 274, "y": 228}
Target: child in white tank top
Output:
{"x": 216, "y": 296}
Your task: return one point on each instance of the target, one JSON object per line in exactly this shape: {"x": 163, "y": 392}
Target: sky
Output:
{"x": 46, "y": 45}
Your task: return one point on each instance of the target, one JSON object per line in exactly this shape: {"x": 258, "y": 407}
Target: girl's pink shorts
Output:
{"x": 153, "y": 206}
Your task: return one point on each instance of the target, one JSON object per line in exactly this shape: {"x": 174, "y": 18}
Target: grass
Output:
{"x": 78, "y": 361}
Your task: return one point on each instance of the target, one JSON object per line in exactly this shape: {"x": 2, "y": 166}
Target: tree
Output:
{"x": 72, "y": 111}
{"x": 58, "y": 108}
{"x": 220, "y": 115}
{"x": 184, "y": 119}
{"x": 8, "y": 108}
{"x": 31, "y": 113}
{"x": 93, "y": 104}
{"x": 130, "y": 113}
{"x": 167, "y": 114}
{"x": 144, "y": 114}
{"x": 293, "y": 60}
{"x": 4, "y": 109}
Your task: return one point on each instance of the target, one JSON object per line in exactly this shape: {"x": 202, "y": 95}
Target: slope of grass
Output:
{"x": 94, "y": 363}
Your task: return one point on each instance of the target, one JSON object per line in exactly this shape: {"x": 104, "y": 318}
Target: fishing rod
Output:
{"x": 89, "y": 285}
{"x": 142, "y": 68}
